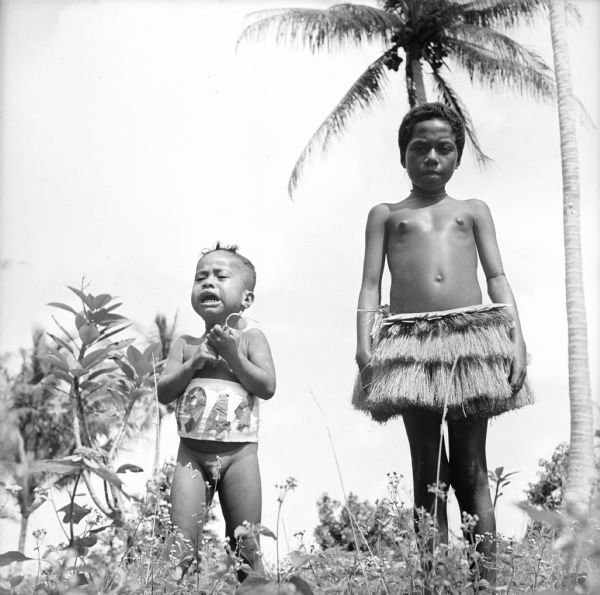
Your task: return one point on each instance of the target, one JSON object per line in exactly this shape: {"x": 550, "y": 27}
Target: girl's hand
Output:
{"x": 204, "y": 354}
{"x": 225, "y": 341}
{"x": 518, "y": 369}
{"x": 363, "y": 359}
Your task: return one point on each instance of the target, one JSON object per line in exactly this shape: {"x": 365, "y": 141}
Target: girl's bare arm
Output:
{"x": 369, "y": 297}
{"x": 498, "y": 287}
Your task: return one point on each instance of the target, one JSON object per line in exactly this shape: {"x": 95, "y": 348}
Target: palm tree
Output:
{"x": 580, "y": 469}
{"x": 420, "y": 33}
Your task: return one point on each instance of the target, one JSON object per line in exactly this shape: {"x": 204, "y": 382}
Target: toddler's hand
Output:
{"x": 224, "y": 340}
{"x": 518, "y": 369}
{"x": 205, "y": 354}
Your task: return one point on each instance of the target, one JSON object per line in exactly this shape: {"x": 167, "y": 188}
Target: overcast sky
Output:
{"x": 134, "y": 136}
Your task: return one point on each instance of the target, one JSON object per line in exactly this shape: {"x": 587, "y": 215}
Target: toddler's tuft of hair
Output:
{"x": 233, "y": 250}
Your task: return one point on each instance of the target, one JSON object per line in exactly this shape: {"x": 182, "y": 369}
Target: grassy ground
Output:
{"x": 141, "y": 554}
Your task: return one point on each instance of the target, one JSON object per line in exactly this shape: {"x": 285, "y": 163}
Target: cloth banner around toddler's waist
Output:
{"x": 214, "y": 409}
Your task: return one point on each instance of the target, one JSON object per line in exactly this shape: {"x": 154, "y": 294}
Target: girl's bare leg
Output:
{"x": 469, "y": 478}
{"x": 423, "y": 431}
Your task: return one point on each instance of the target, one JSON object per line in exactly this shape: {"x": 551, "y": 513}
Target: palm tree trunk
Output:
{"x": 580, "y": 470}
{"x": 415, "y": 86}
{"x": 419, "y": 84}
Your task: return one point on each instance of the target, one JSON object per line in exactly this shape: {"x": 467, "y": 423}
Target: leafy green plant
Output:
{"x": 104, "y": 380}
{"x": 499, "y": 480}
{"x": 35, "y": 426}
{"x": 547, "y": 491}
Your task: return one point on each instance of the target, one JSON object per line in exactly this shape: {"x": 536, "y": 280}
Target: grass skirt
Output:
{"x": 420, "y": 360}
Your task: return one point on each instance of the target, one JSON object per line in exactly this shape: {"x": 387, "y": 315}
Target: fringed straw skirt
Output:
{"x": 455, "y": 359}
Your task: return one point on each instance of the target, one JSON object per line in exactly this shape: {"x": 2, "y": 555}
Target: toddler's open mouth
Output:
{"x": 208, "y": 299}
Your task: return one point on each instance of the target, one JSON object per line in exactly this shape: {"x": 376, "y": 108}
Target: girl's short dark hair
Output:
{"x": 430, "y": 111}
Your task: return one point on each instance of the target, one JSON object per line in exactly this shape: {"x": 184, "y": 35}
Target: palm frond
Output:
{"x": 367, "y": 89}
{"x": 451, "y": 99}
{"x": 319, "y": 29}
{"x": 493, "y": 58}
{"x": 505, "y": 13}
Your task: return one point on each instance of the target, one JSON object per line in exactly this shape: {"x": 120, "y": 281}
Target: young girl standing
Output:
{"x": 438, "y": 349}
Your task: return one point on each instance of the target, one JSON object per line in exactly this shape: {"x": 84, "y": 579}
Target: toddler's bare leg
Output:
{"x": 468, "y": 468}
{"x": 190, "y": 497}
{"x": 423, "y": 431}
{"x": 241, "y": 500}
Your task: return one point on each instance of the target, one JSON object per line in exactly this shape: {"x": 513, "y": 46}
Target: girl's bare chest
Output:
{"x": 413, "y": 222}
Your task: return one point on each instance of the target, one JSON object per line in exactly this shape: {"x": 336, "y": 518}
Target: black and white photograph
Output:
{"x": 299, "y": 296}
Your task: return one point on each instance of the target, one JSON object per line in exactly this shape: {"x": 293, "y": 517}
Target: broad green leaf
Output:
{"x": 95, "y": 356}
{"x": 62, "y": 307}
{"x": 12, "y": 556}
{"x": 16, "y": 580}
{"x": 153, "y": 349}
{"x": 88, "y": 300}
{"x": 74, "y": 512}
{"x": 105, "y": 335}
{"x": 134, "y": 355}
{"x": 58, "y": 353}
{"x": 114, "y": 306}
{"x": 80, "y": 320}
{"x": 88, "y": 333}
{"x": 266, "y": 531}
{"x": 57, "y": 373}
{"x": 142, "y": 368}
{"x": 53, "y": 360}
{"x": 129, "y": 467}
{"x": 100, "y": 372}
{"x": 121, "y": 344}
{"x": 78, "y": 372}
{"x": 114, "y": 316}
{"x": 63, "y": 466}
{"x": 127, "y": 369}
{"x": 87, "y": 541}
{"x": 105, "y": 473}
{"x": 110, "y": 320}
{"x": 101, "y": 300}
{"x": 61, "y": 342}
